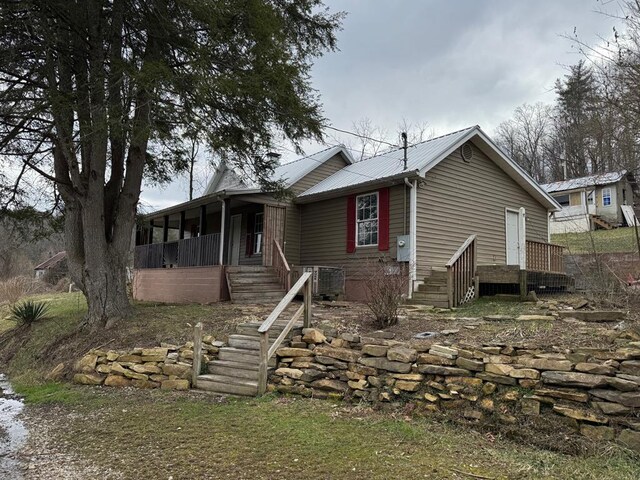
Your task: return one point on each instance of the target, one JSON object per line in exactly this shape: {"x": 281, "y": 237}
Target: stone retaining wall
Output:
{"x": 596, "y": 391}
{"x": 167, "y": 366}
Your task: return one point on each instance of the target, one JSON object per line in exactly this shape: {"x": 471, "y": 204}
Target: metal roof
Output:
{"x": 389, "y": 164}
{"x": 288, "y": 173}
{"x": 583, "y": 182}
{"x": 52, "y": 262}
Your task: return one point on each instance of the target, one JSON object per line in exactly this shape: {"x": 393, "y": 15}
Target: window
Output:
{"x": 257, "y": 233}
{"x": 563, "y": 200}
{"x": 367, "y": 219}
{"x": 606, "y": 197}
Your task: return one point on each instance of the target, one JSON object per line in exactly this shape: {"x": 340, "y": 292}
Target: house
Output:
{"x": 458, "y": 214}
{"x": 595, "y": 201}
{"x": 52, "y": 269}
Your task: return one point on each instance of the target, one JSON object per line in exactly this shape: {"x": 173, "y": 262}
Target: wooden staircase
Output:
{"x": 254, "y": 284}
{"x": 236, "y": 370}
{"x": 242, "y": 368}
{"x": 601, "y": 222}
{"x": 433, "y": 291}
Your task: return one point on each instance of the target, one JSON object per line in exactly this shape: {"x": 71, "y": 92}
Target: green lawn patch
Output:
{"x": 162, "y": 435}
{"x": 618, "y": 240}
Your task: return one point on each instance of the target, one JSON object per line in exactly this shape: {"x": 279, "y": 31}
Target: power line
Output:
{"x": 361, "y": 136}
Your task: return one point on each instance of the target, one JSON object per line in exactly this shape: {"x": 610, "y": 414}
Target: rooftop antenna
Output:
{"x": 404, "y": 147}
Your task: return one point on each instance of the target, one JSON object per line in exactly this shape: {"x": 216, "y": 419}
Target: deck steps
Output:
{"x": 235, "y": 371}
{"x": 254, "y": 284}
{"x": 433, "y": 291}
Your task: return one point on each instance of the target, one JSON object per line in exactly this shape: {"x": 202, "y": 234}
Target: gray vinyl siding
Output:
{"x": 293, "y": 222}
{"x": 323, "y": 171}
{"x": 324, "y": 234}
{"x": 461, "y": 199}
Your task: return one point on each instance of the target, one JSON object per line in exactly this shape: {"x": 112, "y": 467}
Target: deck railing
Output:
{"x": 545, "y": 257}
{"x": 462, "y": 283}
{"x": 189, "y": 252}
{"x": 280, "y": 265}
{"x": 266, "y": 351}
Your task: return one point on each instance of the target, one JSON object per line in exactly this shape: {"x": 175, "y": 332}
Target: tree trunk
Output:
{"x": 97, "y": 266}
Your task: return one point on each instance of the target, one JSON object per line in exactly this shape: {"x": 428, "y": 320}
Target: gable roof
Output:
{"x": 583, "y": 182}
{"x": 421, "y": 158}
{"x": 289, "y": 173}
{"x": 52, "y": 262}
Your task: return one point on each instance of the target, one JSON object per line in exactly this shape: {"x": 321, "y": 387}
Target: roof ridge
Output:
{"x": 311, "y": 155}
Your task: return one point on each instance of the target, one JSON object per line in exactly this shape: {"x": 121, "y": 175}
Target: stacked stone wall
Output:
{"x": 596, "y": 391}
{"x": 167, "y": 366}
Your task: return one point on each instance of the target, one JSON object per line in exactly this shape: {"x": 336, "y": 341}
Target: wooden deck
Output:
{"x": 524, "y": 280}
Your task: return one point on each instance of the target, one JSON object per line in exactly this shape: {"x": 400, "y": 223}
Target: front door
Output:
{"x": 234, "y": 239}
{"x": 513, "y": 237}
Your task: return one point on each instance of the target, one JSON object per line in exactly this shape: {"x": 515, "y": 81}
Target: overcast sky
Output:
{"x": 448, "y": 63}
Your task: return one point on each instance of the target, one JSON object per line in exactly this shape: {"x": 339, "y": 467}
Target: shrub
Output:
{"x": 29, "y": 312}
{"x": 15, "y": 288}
{"x": 387, "y": 285}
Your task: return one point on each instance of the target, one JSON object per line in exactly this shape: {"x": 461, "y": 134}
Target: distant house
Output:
{"x": 459, "y": 214}
{"x": 53, "y": 268}
{"x": 597, "y": 201}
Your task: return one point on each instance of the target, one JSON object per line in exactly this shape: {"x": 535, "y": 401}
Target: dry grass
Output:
{"x": 16, "y": 288}
{"x": 183, "y": 436}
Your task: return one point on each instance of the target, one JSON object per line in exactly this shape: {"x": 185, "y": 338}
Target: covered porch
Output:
{"x": 182, "y": 253}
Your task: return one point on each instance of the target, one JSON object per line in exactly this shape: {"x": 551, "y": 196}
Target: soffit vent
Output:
{"x": 466, "y": 151}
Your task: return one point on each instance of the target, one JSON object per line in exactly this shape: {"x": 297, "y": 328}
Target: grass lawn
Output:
{"x": 618, "y": 240}
{"x": 182, "y": 436}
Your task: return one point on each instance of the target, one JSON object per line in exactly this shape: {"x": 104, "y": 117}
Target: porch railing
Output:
{"x": 462, "y": 280}
{"x": 545, "y": 257}
{"x": 266, "y": 351}
{"x": 189, "y": 252}
{"x": 280, "y": 265}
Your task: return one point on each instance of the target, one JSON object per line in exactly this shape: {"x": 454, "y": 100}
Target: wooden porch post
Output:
{"x": 181, "y": 227}
{"x": 222, "y": 225}
{"x": 308, "y": 292}
{"x": 150, "y": 232}
{"x": 203, "y": 220}
{"x": 165, "y": 229}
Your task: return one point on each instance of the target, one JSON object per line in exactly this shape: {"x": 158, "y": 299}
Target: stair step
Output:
{"x": 205, "y": 382}
{"x": 239, "y": 279}
{"x": 273, "y": 331}
{"x": 430, "y": 296}
{"x": 428, "y": 288}
{"x": 231, "y": 380}
{"x": 250, "y": 342}
{"x": 233, "y": 369}
{"x": 242, "y": 356}
{"x": 248, "y": 269}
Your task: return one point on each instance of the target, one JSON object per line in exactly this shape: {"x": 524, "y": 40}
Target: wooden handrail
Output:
{"x": 461, "y": 273}
{"x": 304, "y": 284}
{"x": 280, "y": 265}
{"x": 460, "y": 251}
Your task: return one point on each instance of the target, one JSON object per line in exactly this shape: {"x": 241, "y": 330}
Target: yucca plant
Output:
{"x": 29, "y": 312}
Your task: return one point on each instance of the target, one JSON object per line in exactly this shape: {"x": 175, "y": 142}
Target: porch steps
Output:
{"x": 601, "y": 222}
{"x": 235, "y": 372}
{"x": 433, "y": 291}
{"x": 254, "y": 284}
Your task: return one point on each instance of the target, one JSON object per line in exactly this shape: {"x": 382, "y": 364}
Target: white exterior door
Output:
{"x": 234, "y": 239}
{"x": 513, "y": 237}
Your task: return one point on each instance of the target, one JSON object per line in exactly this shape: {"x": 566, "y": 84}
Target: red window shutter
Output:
{"x": 383, "y": 219}
{"x": 249, "y": 239}
{"x": 351, "y": 224}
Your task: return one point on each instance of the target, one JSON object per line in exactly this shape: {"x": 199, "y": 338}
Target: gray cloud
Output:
{"x": 452, "y": 63}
